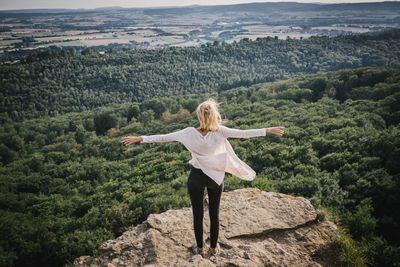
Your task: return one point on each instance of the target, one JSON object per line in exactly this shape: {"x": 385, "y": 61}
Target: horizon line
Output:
{"x": 199, "y": 5}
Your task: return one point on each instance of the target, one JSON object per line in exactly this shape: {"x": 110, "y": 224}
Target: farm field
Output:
{"x": 188, "y": 26}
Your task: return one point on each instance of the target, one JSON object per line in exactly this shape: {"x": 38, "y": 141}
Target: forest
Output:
{"x": 67, "y": 183}
{"x": 58, "y": 81}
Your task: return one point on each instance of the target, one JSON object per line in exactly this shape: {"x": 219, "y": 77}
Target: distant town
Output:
{"x": 105, "y": 28}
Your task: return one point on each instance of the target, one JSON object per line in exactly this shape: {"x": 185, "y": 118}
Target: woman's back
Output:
{"x": 212, "y": 152}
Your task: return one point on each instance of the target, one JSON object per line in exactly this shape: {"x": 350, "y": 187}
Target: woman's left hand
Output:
{"x": 127, "y": 140}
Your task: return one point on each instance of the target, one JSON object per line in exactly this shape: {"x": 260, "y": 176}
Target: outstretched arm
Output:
{"x": 162, "y": 138}
{"x": 238, "y": 133}
{"x": 157, "y": 138}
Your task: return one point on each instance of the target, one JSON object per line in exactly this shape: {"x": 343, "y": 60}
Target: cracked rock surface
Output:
{"x": 257, "y": 228}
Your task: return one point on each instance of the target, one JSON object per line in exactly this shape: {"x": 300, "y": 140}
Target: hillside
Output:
{"x": 61, "y": 81}
{"x": 259, "y": 229}
{"x": 68, "y": 184}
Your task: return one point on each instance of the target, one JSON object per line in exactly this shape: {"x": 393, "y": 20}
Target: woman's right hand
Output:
{"x": 127, "y": 140}
{"x": 278, "y": 131}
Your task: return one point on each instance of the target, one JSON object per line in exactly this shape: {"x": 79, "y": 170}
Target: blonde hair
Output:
{"x": 208, "y": 115}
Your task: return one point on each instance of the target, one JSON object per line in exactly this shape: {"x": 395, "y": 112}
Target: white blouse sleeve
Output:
{"x": 162, "y": 138}
{"x": 238, "y": 133}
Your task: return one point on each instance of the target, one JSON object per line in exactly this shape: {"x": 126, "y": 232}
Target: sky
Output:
{"x": 31, "y": 4}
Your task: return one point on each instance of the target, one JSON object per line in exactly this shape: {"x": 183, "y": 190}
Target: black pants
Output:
{"x": 197, "y": 181}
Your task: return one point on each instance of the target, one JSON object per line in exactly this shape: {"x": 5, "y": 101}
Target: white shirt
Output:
{"x": 212, "y": 153}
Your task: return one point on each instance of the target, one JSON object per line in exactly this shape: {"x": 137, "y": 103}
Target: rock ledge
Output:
{"x": 257, "y": 228}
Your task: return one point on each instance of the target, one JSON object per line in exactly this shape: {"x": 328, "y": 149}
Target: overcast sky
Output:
{"x": 28, "y": 4}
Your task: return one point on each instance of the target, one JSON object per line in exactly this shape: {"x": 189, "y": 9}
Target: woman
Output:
{"x": 212, "y": 156}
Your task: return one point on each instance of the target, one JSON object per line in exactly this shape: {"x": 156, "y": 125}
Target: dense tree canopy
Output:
{"x": 69, "y": 82}
{"x": 67, "y": 183}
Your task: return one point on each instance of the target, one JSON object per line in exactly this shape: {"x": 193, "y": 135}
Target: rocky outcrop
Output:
{"x": 257, "y": 228}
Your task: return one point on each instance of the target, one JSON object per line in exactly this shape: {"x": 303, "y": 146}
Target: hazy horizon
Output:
{"x": 74, "y": 4}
